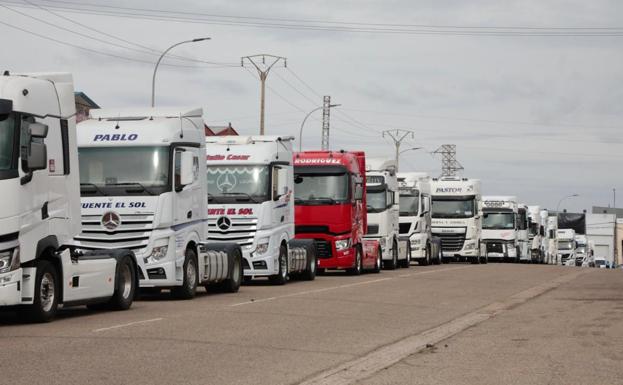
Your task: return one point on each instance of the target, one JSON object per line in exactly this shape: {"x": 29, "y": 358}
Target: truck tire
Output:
{"x": 45, "y": 301}
{"x": 379, "y": 262}
{"x": 407, "y": 261}
{"x": 125, "y": 285}
{"x": 426, "y": 260}
{"x": 394, "y": 262}
{"x": 310, "y": 271}
{"x": 356, "y": 270}
{"x": 232, "y": 284}
{"x": 282, "y": 275}
{"x": 189, "y": 271}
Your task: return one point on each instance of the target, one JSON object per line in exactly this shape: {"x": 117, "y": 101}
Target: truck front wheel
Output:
{"x": 282, "y": 275}
{"x": 394, "y": 262}
{"x": 125, "y": 285}
{"x": 189, "y": 285}
{"x": 45, "y": 301}
{"x": 356, "y": 270}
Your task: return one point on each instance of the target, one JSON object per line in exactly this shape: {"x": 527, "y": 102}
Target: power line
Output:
{"x": 177, "y": 16}
{"x": 143, "y": 48}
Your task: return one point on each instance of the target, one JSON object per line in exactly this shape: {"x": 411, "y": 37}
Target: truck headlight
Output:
{"x": 262, "y": 246}
{"x": 342, "y": 244}
{"x": 382, "y": 242}
{"x": 9, "y": 260}
{"x": 470, "y": 246}
{"x": 159, "y": 251}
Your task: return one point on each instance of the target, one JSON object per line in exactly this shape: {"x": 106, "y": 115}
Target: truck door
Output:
{"x": 187, "y": 196}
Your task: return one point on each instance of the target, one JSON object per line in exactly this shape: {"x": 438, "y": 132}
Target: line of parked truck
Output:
{"x": 141, "y": 199}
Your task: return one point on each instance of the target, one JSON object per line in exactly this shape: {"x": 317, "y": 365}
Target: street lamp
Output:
{"x": 304, "y": 120}
{"x": 153, "y": 80}
{"x": 560, "y": 201}
{"x": 410, "y": 149}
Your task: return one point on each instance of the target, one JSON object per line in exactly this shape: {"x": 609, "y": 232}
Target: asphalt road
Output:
{"x": 449, "y": 324}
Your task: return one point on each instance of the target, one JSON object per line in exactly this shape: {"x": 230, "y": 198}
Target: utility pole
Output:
{"x": 398, "y": 136}
{"x": 449, "y": 164}
{"x": 263, "y": 73}
{"x": 326, "y": 107}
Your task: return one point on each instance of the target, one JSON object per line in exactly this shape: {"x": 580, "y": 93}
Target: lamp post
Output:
{"x": 305, "y": 119}
{"x": 562, "y": 199}
{"x": 153, "y": 80}
{"x": 405, "y": 150}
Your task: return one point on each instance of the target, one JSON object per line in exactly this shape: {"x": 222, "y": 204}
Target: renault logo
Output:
{"x": 226, "y": 182}
{"x": 111, "y": 220}
{"x": 223, "y": 223}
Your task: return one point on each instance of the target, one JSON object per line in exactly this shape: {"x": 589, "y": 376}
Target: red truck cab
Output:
{"x": 330, "y": 208}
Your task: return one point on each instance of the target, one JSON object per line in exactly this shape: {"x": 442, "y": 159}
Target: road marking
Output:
{"x": 314, "y": 291}
{"x": 363, "y": 367}
{"x": 128, "y": 324}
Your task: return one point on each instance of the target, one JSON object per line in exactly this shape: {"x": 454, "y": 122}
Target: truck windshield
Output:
{"x": 124, "y": 170}
{"x": 565, "y": 245}
{"x": 238, "y": 183}
{"x": 409, "y": 204}
{"x": 318, "y": 189}
{"x": 581, "y": 250}
{"x": 376, "y": 200}
{"x": 8, "y": 155}
{"x": 453, "y": 208}
{"x": 498, "y": 221}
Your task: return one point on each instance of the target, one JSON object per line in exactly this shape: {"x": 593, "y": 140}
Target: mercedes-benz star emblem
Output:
{"x": 111, "y": 220}
{"x": 223, "y": 223}
{"x": 226, "y": 182}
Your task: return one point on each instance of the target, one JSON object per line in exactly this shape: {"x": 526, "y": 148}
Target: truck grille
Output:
{"x": 302, "y": 229}
{"x": 404, "y": 227}
{"x": 373, "y": 229}
{"x": 323, "y": 248}
{"x": 451, "y": 242}
{"x": 242, "y": 231}
{"x": 495, "y": 247}
{"x": 133, "y": 233}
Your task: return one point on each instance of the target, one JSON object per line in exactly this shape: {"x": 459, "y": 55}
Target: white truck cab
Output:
{"x": 383, "y": 212}
{"x": 40, "y": 211}
{"x": 457, "y": 218}
{"x": 143, "y": 185}
{"x": 499, "y": 227}
{"x": 536, "y": 234}
{"x": 250, "y": 183}
{"x": 566, "y": 245}
{"x": 582, "y": 250}
{"x": 415, "y": 217}
{"x": 552, "y": 240}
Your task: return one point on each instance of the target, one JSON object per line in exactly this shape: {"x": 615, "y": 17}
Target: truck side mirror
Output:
{"x": 187, "y": 174}
{"x": 37, "y": 158}
{"x": 282, "y": 183}
{"x": 358, "y": 192}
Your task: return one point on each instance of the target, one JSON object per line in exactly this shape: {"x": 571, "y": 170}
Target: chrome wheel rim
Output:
{"x": 46, "y": 292}
{"x": 191, "y": 273}
{"x": 126, "y": 276}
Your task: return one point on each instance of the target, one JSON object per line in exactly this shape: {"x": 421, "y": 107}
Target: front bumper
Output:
{"x": 343, "y": 259}
{"x": 260, "y": 265}
{"x": 418, "y": 246}
{"x": 10, "y": 283}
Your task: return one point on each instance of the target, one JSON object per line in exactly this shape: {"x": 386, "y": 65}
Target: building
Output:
{"x": 220, "y": 130}
{"x": 600, "y": 228}
{"x": 608, "y": 210}
{"x": 618, "y": 239}
{"x": 84, "y": 104}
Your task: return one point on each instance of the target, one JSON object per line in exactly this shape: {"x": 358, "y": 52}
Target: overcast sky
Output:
{"x": 539, "y": 117}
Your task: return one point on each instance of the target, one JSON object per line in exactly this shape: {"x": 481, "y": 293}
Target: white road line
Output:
{"x": 366, "y": 366}
{"x": 343, "y": 286}
{"x": 128, "y": 324}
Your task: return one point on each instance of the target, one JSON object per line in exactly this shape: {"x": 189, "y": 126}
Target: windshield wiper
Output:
{"x": 97, "y": 189}
{"x": 249, "y": 197}
{"x": 137, "y": 184}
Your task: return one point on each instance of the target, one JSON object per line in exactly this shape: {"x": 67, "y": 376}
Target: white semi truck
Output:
{"x": 250, "y": 184}
{"x": 383, "y": 212}
{"x": 144, "y": 188}
{"x": 457, "y": 218}
{"x": 552, "y": 240}
{"x": 536, "y": 234}
{"x": 40, "y": 209}
{"x": 523, "y": 235}
{"x": 566, "y": 245}
{"x": 415, "y": 217}
{"x": 499, "y": 227}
